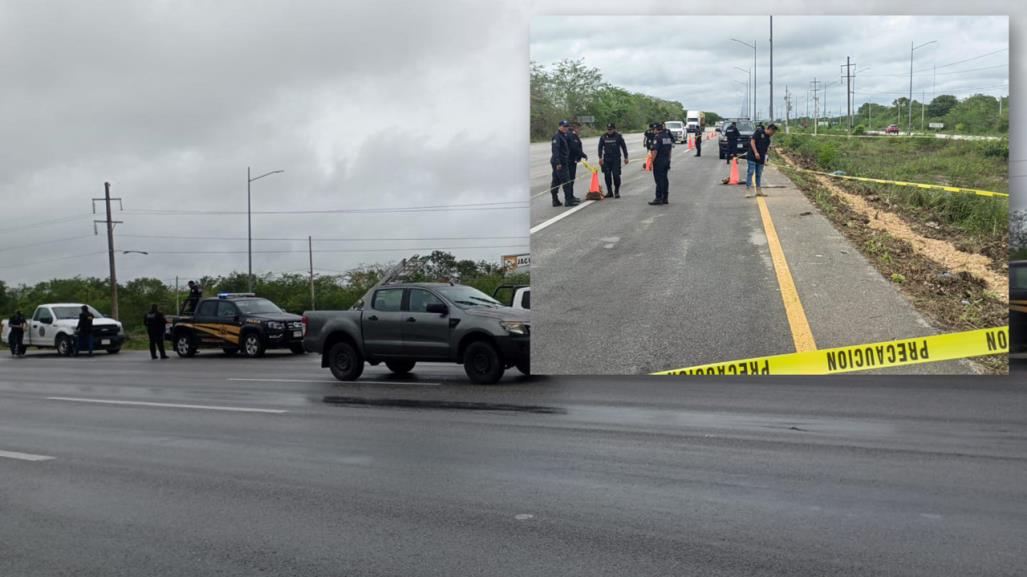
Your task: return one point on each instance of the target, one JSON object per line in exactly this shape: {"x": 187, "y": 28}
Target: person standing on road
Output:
{"x": 559, "y": 159}
{"x": 154, "y": 322}
{"x": 17, "y": 333}
{"x": 662, "y": 145}
{"x": 698, "y": 141}
{"x": 611, "y": 145}
{"x": 85, "y": 331}
{"x": 577, "y": 152}
{"x": 732, "y": 135}
{"x": 759, "y": 144}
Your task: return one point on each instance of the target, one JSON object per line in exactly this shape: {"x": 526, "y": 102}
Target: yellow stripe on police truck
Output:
{"x": 897, "y": 353}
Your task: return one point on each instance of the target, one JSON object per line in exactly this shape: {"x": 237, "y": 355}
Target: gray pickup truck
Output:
{"x": 403, "y": 324}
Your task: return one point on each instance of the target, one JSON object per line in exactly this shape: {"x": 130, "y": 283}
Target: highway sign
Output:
{"x": 517, "y": 261}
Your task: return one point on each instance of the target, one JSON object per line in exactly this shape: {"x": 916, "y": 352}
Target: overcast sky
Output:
{"x": 692, "y": 59}
{"x": 365, "y": 105}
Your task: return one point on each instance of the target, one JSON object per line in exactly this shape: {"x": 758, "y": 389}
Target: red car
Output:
{"x": 892, "y": 129}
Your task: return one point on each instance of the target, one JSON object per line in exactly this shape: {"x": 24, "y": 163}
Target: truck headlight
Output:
{"x": 275, "y": 325}
{"x": 514, "y": 327}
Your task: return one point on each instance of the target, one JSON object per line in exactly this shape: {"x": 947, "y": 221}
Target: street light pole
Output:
{"x": 249, "y": 224}
{"x": 753, "y": 46}
{"x": 748, "y": 99}
{"x": 912, "y": 49}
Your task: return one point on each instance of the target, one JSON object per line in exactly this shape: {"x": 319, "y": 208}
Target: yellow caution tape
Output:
{"x": 911, "y": 184}
{"x": 589, "y": 166}
{"x": 931, "y": 349}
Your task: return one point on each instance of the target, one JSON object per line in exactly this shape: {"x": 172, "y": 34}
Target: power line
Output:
{"x": 62, "y": 220}
{"x": 304, "y": 251}
{"x": 27, "y": 264}
{"x": 21, "y": 246}
{"x": 297, "y": 239}
{"x": 434, "y": 208}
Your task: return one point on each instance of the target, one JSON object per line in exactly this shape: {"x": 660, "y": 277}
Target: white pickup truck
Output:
{"x": 52, "y": 326}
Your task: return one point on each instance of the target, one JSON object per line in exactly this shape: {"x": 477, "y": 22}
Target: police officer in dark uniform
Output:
{"x": 611, "y": 145}
{"x": 195, "y": 293}
{"x": 154, "y": 322}
{"x": 85, "y": 331}
{"x": 698, "y": 140}
{"x": 732, "y": 135}
{"x": 647, "y": 138}
{"x": 560, "y": 160}
{"x": 17, "y": 333}
{"x": 577, "y": 152}
{"x": 661, "y": 147}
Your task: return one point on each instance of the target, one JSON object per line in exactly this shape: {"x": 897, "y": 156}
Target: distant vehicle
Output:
{"x": 53, "y": 326}
{"x": 408, "y": 323}
{"x": 695, "y": 121}
{"x": 235, "y": 322}
{"x": 892, "y": 129}
{"x": 1018, "y": 308}
{"x": 514, "y": 296}
{"x": 745, "y": 130}
{"x": 676, "y": 128}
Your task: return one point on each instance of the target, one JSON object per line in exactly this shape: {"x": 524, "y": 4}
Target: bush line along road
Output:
{"x": 628, "y": 288}
{"x": 215, "y": 465}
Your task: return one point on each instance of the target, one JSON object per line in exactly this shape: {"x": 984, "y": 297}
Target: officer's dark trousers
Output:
{"x": 661, "y": 176}
{"x": 15, "y": 340}
{"x": 568, "y": 188}
{"x": 611, "y": 173}
{"x": 698, "y": 145}
{"x": 157, "y": 343}
{"x": 559, "y": 179}
{"x": 732, "y": 149}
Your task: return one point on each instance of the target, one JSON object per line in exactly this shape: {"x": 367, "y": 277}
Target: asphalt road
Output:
{"x": 625, "y": 288}
{"x": 557, "y": 476}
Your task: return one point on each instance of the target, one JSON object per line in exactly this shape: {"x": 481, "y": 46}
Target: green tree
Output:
{"x": 941, "y": 105}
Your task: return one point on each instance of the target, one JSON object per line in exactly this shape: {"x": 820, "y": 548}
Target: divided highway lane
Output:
{"x": 626, "y": 288}
{"x": 640, "y": 476}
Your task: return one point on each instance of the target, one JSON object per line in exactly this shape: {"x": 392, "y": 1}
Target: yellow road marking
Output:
{"x": 802, "y": 335}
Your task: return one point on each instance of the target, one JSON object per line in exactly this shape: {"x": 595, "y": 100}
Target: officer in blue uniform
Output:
{"x": 560, "y": 159}
{"x": 661, "y": 147}
{"x": 611, "y": 145}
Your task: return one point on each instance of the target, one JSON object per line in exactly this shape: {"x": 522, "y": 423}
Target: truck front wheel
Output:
{"x": 184, "y": 345}
{"x": 482, "y": 363}
{"x": 252, "y": 345}
{"x": 345, "y": 361}
{"x": 65, "y": 347}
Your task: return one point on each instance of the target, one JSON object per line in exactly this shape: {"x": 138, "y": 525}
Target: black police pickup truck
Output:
{"x": 235, "y": 322}
{"x": 1018, "y": 308}
{"x": 403, "y": 324}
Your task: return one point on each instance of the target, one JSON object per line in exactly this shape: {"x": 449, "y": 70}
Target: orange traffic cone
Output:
{"x": 595, "y": 192}
{"x": 649, "y": 162}
{"x": 691, "y": 141}
{"x": 734, "y": 171}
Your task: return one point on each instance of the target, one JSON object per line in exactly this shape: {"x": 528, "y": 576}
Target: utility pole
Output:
{"x": 788, "y": 107}
{"x": 178, "y": 308}
{"x": 310, "y": 251}
{"x": 922, "y": 98}
{"x": 249, "y": 225}
{"x": 816, "y": 104}
{"x": 772, "y": 68}
{"x": 850, "y": 96}
{"x": 110, "y": 242}
{"x": 912, "y": 49}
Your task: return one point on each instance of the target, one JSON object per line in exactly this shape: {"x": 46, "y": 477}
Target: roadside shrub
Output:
{"x": 859, "y": 130}
{"x": 827, "y": 155}
{"x": 995, "y": 149}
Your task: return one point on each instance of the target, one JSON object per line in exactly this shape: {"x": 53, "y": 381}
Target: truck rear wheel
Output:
{"x": 400, "y": 367}
{"x": 345, "y": 361}
{"x": 184, "y": 345}
{"x": 482, "y": 363}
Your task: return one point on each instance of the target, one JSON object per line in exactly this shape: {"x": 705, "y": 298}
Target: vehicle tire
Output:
{"x": 297, "y": 349}
{"x": 400, "y": 367}
{"x": 230, "y": 351}
{"x": 524, "y": 366}
{"x": 482, "y": 363}
{"x": 113, "y": 350}
{"x": 252, "y": 345}
{"x": 184, "y": 345}
{"x": 65, "y": 347}
{"x": 345, "y": 361}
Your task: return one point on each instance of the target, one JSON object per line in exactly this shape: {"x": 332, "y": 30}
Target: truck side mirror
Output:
{"x": 437, "y": 308}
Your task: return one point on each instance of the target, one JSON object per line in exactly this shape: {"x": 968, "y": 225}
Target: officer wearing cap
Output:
{"x": 559, "y": 159}
{"x": 577, "y": 152}
{"x": 611, "y": 145}
{"x": 647, "y": 138}
{"x": 661, "y": 147}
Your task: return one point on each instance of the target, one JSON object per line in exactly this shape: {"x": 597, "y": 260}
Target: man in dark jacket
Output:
{"x": 154, "y": 322}
{"x": 577, "y": 152}
{"x": 17, "y": 333}
{"x": 195, "y": 293}
{"x": 85, "y": 331}
{"x": 560, "y": 160}
{"x": 758, "y": 147}
{"x": 732, "y": 135}
{"x": 661, "y": 147}
{"x": 611, "y": 145}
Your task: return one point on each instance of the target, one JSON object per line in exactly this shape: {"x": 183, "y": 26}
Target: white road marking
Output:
{"x": 524, "y": 516}
{"x": 24, "y": 456}
{"x": 561, "y": 216}
{"x": 325, "y": 382}
{"x": 168, "y": 405}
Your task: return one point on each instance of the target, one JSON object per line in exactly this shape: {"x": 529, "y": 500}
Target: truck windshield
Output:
{"x": 743, "y": 126}
{"x": 72, "y": 312}
{"x": 673, "y": 124}
{"x": 466, "y": 297}
{"x": 257, "y": 307}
